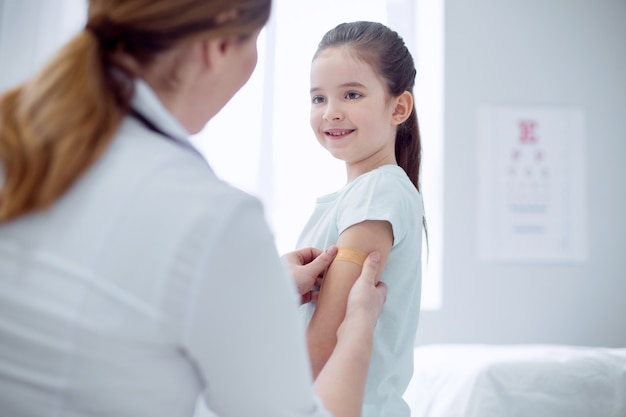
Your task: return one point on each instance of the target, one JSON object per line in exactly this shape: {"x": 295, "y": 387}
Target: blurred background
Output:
{"x": 563, "y": 54}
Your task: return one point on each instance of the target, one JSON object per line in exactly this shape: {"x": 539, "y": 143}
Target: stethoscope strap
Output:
{"x": 151, "y": 126}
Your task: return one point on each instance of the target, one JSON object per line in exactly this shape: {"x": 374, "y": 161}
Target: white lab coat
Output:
{"x": 149, "y": 283}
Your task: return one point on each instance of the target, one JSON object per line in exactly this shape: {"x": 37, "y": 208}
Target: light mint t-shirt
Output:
{"x": 385, "y": 193}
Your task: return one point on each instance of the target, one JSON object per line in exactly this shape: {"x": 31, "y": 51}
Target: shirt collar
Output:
{"x": 146, "y": 102}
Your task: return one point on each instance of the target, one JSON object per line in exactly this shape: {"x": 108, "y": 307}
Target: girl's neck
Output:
{"x": 354, "y": 170}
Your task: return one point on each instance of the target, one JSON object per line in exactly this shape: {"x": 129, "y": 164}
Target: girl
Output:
{"x": 362, "y": 112}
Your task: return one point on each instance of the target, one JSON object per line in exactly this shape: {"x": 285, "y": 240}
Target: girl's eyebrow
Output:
{"x": 344, "y": 85}
{"x": 352, "y": 84}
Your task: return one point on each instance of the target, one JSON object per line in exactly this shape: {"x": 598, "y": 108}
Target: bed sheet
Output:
{"x": 517, "y": 381}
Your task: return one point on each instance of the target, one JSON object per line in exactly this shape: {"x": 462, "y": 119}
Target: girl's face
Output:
{"x": 351, "y": 112}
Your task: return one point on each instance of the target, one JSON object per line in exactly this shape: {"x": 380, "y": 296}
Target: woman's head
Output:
{"x": 385, "y": 52}
{"x": 161, "y": 40}
{"x": 55, "y": 125}
{"x": 143, "y": 29}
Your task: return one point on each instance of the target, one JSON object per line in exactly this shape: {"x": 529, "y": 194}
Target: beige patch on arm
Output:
{"x": 351, "y": 255}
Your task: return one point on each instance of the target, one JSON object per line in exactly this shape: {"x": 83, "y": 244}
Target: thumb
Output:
{"x": 370, "y": 268}
{"x": 320, "y": 263}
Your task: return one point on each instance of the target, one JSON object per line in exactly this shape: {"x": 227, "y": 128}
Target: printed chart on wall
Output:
{"x": 532, "y": 200}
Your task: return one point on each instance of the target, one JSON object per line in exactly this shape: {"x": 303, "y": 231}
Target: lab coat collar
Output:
{"x": 147, "y": 103}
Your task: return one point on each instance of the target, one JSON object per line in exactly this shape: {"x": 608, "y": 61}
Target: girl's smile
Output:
{"x": 338, "y": 133}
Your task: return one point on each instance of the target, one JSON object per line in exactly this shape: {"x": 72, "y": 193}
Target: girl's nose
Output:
{"x": 333, "y": 112}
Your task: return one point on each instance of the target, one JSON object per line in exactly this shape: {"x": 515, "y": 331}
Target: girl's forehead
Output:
{"x": 342, "y": 58}
{"x": 342, "y": 52}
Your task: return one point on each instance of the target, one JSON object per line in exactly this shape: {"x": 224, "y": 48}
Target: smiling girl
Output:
{"x": 363, "y": 113}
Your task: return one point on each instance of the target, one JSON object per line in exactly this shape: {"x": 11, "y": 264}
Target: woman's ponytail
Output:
{"x": 56, "y": 125}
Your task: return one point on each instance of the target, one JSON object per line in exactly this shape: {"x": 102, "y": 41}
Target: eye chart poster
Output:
{"x": 532, "y": 202}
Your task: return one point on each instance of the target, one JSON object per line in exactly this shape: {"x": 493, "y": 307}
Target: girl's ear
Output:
{"x": 402, "y": 109}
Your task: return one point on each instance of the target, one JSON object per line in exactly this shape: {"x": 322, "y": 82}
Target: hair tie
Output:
{"x": 109, "y": 34}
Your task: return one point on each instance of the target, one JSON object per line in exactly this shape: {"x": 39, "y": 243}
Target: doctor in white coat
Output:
{"x": 132, "y": 279}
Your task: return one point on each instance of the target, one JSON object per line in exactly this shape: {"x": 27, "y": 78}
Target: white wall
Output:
{"x": 557, "y": 52}
{"x": 31, "y": 30}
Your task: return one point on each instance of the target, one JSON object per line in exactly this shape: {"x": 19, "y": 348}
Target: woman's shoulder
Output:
{"x": 142, "y": 169}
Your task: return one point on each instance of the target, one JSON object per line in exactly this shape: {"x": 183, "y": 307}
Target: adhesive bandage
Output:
{"x": 351, "y": 255}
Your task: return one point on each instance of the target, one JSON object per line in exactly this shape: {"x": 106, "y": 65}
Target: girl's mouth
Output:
{"x": 338, "y": 133}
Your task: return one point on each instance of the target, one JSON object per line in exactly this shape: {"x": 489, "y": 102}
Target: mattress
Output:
{"x": 459, "y": 380}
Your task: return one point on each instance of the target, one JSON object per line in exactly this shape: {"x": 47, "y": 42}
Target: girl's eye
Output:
{"x": 317, "y": 100}
{"x": 352, "y": 95}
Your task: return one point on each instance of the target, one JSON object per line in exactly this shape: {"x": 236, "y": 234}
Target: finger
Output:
{"x": 319, "y": 264}
{"x": 370, "y": 268}
{"x": 315, "y": 252}
{"x": 382, "y": 288}
{"x": 305, "y": 298}
{"x": 309, "y": 297}
{"x": 307, "y": 255}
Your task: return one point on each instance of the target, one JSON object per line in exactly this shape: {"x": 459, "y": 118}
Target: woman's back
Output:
{"x": 94, "y": 290}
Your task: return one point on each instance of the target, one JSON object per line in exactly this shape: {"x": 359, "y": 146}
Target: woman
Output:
{"x": 133, "y": 280}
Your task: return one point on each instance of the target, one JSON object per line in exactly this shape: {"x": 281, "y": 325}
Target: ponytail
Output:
{"x": 409, "y": 149}
{"x": 409, "y": 154}
{"x": 56, "y": 125}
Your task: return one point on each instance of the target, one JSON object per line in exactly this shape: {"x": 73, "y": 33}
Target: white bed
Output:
{"x": 517, "y": 381}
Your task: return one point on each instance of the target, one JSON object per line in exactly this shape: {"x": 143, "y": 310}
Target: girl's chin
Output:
{"x": 339, "y": 155}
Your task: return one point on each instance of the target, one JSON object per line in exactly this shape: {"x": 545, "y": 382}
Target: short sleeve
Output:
{"x": 378, "y": 195}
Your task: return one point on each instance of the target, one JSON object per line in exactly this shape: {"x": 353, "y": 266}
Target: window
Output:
{"x": 262, "y": 142}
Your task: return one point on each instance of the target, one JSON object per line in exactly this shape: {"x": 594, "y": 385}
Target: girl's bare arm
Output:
{"x": 365, "y": 237}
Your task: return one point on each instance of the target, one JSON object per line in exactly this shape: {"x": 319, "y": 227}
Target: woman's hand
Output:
{"x": 307, "y": 267}
{"x": 367, "y": 297}
{"x": 341, "y": 382}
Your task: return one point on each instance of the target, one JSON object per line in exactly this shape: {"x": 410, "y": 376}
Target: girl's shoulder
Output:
{"x": 389, "y": 181}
